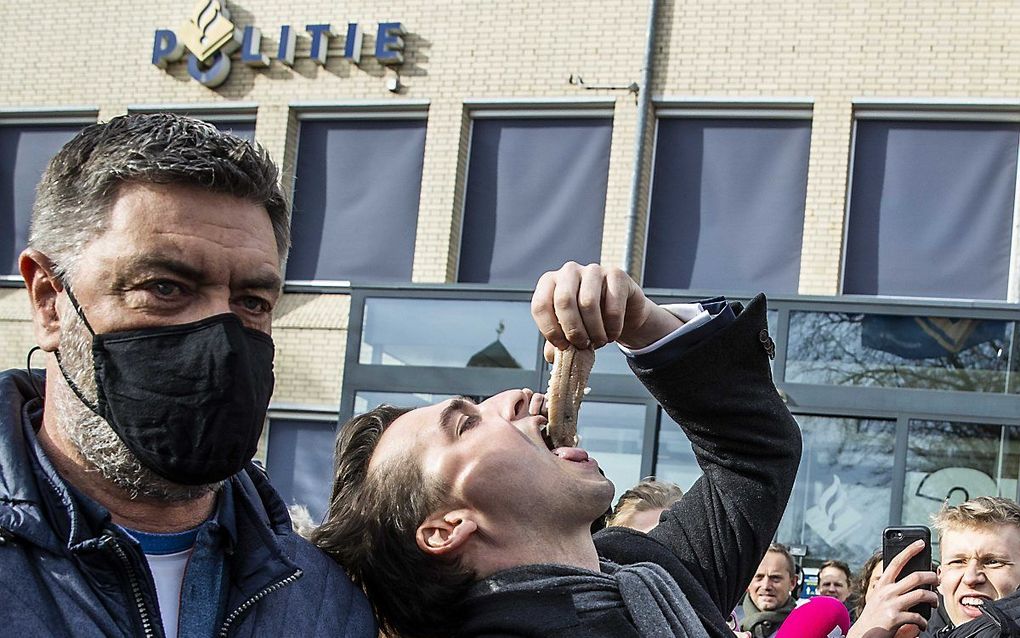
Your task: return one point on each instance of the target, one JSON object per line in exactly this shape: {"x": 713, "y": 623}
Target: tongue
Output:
{"x": 574, "y": 454}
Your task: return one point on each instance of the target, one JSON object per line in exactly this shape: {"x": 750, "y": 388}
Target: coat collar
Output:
{"x": 38, "y": 507}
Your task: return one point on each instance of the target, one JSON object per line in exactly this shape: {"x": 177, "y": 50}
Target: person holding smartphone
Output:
{"x": 890, "y": 610}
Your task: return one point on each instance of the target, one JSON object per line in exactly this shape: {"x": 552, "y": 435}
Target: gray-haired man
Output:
{"x": 128, "y": 504}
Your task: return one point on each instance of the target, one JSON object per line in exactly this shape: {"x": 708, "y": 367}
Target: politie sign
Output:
{"x": 210, "y": 38}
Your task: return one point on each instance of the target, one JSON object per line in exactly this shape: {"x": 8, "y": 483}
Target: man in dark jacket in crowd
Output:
{"x": 128, "y": 502}
{"x": 460, "y": 520}
{"x": 770, "y": 597}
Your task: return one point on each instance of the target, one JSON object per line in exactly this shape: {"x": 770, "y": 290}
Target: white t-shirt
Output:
{"x": 168, "y": 574}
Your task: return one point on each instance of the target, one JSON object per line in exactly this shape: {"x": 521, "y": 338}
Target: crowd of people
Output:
{"x": 130, "y": 505}
{"x": 979, "y": 541}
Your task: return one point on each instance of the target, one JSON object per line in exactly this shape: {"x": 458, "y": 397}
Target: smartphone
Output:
{"x": 895, "y": 540}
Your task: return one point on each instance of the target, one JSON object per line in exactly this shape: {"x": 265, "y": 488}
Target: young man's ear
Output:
{"x": 43, "y": 291}
{"x": 446, "y": 532}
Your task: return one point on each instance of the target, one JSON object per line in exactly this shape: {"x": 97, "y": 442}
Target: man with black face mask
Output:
{"x": 128, "y": 502}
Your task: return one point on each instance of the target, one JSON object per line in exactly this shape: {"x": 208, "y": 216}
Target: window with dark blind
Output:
{"x": 727, "y": 204}
{"x": 536, "y": 197}
{"x": 25, "y": 150}
{"x": 931, "y": 209}
{"x": 299, "y": 460}
{"x": 356, "y": 195}
{"x": 244, "y": 129}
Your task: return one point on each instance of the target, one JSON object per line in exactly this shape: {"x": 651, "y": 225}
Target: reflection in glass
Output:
{"x": 841, "y": 498}
{"x": 613, "y": 433}
{"x": 954, "y": 462}
{"x": 968, "y": 355}
{"x": 675, "y": 462}
{"x": 365, "y": 401}
{"x": 450, "y": 333}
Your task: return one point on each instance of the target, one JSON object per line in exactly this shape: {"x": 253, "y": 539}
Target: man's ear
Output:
{"x": 43, "y": 291}
{"x": 445, "y": 532}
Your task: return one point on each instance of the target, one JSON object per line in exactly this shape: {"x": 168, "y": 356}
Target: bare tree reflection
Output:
{"x": 830, "y": 348}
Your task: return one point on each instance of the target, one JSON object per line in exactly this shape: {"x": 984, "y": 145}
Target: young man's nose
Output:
{"x": 511, "y": 404}
{"x": 974, "y": 574}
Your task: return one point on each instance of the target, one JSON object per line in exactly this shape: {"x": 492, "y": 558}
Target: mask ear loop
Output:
{"x": 77, "y": 308}
{"x": 60, "y": 364}
{"x": 31, "y": 377}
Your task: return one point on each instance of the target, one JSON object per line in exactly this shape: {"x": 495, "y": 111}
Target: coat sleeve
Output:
{"x": 747, "y": 443}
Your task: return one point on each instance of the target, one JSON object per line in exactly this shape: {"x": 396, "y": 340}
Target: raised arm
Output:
{"x": 747, "y": 443}
{"x": 718, "y": 385}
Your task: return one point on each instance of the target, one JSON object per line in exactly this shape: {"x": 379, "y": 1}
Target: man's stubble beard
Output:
{"x": 99, "y": 446}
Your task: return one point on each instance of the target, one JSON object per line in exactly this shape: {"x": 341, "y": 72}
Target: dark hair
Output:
{"x": 860, "y": 584}
{"x": 76, "y": 191}
{"x": 649, "y": 494}
{"x": 779, "y": 548}
{"x": 370, "y": 529}
{"x": 841, "y": 566}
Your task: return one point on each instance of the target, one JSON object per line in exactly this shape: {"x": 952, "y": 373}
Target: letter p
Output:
{"x": 166, "y": 48}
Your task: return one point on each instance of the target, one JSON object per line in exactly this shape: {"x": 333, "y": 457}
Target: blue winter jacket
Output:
{"x": 66, "y": 570}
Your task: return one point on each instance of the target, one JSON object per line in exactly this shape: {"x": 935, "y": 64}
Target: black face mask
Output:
{"x": 188, "y": 400}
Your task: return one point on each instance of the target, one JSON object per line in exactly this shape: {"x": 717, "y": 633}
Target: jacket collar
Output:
{"x": 37, "y": 506}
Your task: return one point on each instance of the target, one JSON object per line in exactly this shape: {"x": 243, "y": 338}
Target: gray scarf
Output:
{"x": 651, "y": 596}
{"x": 763, "y": 624}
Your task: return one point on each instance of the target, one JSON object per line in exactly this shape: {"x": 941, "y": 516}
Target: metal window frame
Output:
{"x": 361, "y": 110}
{"x": 212, "y": 112}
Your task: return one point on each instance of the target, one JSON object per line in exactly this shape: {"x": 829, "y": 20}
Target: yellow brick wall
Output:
{"x": 16, "y": 336}
{"x": 97, "y": 54}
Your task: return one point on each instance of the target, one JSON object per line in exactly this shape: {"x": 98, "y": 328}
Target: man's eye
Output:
{"x": 164, "y": 288}
{"x": 255, "y": 304}
{"x": 468, "y": 423}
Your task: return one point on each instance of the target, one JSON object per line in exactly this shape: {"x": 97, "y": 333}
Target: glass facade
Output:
{"x": 25, "y": 150}
{"x": 842, "y": 497}
{"x": 870, "y": 460}
{"x": 356, "y": 191}
{"x": 448, "y": 333}
{"x": 613, "y": 433}
{"x": 952, "y": 461}
{"x": 931, "y": 208}
{"x": 299, "y": 461}
{"x": 901, "y": 351}
{"x": 365, "y": 401}
{"x": 535, "y": 196}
